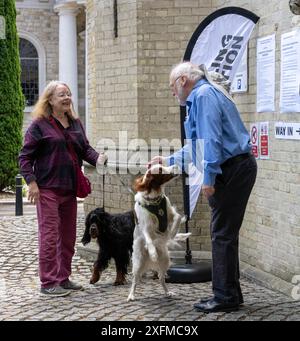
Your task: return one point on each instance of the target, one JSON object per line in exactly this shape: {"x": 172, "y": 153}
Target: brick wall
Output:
{"x": 112, "y": 76}
{"x": 270, "y": 237}
{"x": 112, "y": 89}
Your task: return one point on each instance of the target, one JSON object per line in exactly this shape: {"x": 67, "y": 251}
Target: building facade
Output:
{"x": 116, "y": 56}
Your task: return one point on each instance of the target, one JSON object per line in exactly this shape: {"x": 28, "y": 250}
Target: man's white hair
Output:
{"x": 187, "y": 69}
{"x": 194, "y": 73}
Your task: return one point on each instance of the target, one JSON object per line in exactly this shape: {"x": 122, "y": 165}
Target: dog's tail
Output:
{"x": 179, "y": 237}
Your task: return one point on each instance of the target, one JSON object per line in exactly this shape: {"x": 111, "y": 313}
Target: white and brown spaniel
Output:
{"x": 156, "y": 227}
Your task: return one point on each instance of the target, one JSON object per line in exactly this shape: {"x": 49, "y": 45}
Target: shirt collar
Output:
{"x": 192, "y": 94}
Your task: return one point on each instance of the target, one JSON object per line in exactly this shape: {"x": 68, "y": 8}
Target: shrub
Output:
{"x": 11, "y": 97}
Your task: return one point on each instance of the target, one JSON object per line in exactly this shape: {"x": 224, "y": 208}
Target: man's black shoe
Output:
{"x": 206, "y": 299}
{"x": 213, "y": 306}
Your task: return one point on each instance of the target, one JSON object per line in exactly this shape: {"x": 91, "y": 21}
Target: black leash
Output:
{"x": 103, "y": 193}
{"x": 121, "y": 182}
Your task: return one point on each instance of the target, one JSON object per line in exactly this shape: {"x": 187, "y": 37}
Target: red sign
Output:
{"x": 254, "y": 140}
{"x": 264, "y": 140}
{"x": 264, "y": 145}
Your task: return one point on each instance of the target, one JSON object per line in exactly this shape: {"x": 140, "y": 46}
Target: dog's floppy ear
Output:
{"x": 142, "y": 183}
{"x": 100, "y": 217}
{"x": 86, "y": 236}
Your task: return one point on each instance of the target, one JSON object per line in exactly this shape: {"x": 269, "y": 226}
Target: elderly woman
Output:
{"x": 48, "y": 168}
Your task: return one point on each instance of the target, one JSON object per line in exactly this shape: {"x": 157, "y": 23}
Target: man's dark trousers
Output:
{"x": 228, "y": 204}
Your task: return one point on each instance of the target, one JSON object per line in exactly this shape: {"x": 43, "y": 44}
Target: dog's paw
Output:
{"x": 130, "y": 298}
{"x": 120, "y": 283}
{"x": 183, "y": 219}
{"x": 95, "y": 278}
{"x": 170, "y": 294}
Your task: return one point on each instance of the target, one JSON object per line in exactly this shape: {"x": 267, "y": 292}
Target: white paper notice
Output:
{"x": 266, "y": 74}
{"x": 290, "y": 72}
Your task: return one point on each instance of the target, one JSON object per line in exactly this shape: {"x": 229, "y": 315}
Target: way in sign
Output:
{"x": 284, "y": 130}
{"x": 287, "y": 130}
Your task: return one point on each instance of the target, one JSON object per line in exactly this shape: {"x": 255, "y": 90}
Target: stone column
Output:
{"x": 68, "y": 73}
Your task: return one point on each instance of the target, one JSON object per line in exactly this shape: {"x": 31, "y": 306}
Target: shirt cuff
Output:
{"x": 30, "y": 178}
{"x": 170, "y": 160}
{"x": 209, "y": 179}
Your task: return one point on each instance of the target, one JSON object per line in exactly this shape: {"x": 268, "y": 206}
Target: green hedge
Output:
{"x": 11, "y": 97}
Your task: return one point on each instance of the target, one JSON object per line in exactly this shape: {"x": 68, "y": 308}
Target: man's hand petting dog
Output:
{"x": 157, "y": 160}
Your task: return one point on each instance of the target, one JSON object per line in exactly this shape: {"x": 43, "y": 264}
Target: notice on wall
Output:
{"x": 266, "y": 74}
{"x": 290, "y": 72}
{"x": 287, "y": 131}
{"x": 264, "y": 140}
{"x": 254, "y": 133}
{"x": 240, "y": 79}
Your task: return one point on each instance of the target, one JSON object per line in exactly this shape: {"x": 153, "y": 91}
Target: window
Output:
{"x": 29, "y": 71}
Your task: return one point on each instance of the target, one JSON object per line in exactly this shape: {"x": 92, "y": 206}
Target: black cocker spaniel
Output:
{"x": 114, "y": 233}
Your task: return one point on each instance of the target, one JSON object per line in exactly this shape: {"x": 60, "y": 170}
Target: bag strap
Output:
{"x": 68, "y": 143}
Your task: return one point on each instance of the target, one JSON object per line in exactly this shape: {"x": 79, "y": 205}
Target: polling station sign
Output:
{"x": 287, "y": 131}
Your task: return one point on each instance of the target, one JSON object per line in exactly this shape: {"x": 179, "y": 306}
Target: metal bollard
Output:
{"x": 19, "y": 196}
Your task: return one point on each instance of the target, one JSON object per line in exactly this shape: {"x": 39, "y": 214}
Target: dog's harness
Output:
{"x": 157, "y": 207}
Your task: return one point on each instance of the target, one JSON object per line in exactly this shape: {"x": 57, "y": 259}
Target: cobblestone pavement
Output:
{"x": 20, "y": 299}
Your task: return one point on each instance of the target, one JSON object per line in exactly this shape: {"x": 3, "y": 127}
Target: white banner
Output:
{"x": 222, "y": 43}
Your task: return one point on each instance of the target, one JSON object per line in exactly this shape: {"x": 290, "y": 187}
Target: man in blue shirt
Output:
{"x": 229, "y": 173}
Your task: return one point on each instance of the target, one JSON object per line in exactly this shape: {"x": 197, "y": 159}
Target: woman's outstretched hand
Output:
{"x": 102, "y": 159}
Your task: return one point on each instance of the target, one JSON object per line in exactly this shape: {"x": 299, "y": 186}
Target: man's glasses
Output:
{"x": 173, "y": 84}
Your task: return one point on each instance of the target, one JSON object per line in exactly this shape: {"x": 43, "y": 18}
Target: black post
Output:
{"x": 19, "y": 196}
{"x": 188, "y": 272}
{"x": 185, "y": 188}
{"x": 115, "y": 18}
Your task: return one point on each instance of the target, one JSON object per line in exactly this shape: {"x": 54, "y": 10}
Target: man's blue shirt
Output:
{"x": 213, "y": 118}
